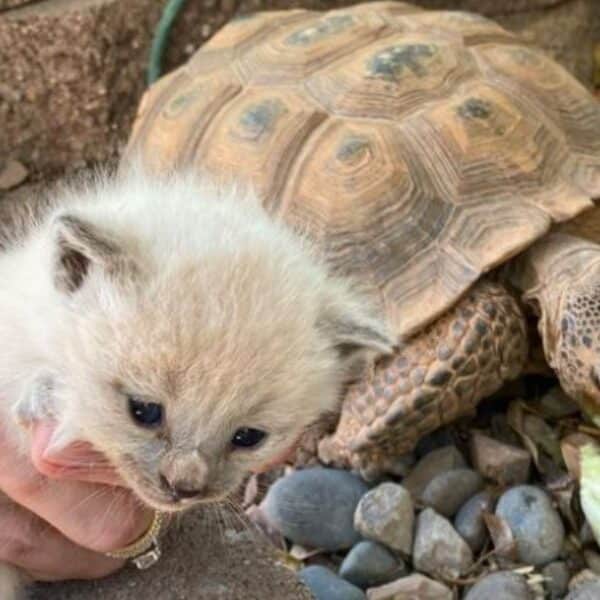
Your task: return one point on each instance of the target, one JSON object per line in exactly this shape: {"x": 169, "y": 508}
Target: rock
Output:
{"x": 585, "y": 591}
{"x": 432, "y": 464}
{"x": 469, "y": 520}
{"x": 369, "y": 564}
{"x": 448, "y": 491}
{"x": 326, "y": 585}
{"x": 386, "y": 514}
{"x": 410, "y": 588}
{"x": 503, "y": 463}
{"x": 592, "y": 560}
{"x": 503, "y": 585}
{"x": 586, "y": 535}
{"x": 583, "y": 578}
{"x": 315, "y": 507}
{"x": 557, "y": 579}
{"x": 535, "y": 524}
{"x": 438, "y": 549}
{"x": 556, "y": 404}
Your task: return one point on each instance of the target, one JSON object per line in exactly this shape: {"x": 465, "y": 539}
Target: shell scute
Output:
{"x": 256, "y": 137}
{"x": 177, "y": 119}
{"x": 293, "y": 53}
{"x": 392, "y": 77}
{"x": 484, "y": 144}
{"x": 565, "y": 101}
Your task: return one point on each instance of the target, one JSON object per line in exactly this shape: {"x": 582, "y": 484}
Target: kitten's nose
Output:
{"x": 180, "y": 489}
{"x": 184, "y": 476}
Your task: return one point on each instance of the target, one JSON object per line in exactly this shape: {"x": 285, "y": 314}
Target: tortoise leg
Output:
{"x": 435, "y": 377}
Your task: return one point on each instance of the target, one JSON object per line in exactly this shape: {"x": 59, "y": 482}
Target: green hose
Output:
{"x": 161, "y": 37}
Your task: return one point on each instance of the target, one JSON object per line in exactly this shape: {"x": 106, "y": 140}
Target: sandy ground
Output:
{"x": 201, "y": 560}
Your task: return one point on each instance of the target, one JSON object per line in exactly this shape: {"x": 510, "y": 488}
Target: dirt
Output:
{"x": 202, "y": 560}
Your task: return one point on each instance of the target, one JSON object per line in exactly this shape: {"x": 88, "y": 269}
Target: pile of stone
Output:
{"x": 485, "y": 514}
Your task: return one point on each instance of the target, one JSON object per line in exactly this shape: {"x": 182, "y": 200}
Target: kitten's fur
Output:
{"x": 188, "y": 296}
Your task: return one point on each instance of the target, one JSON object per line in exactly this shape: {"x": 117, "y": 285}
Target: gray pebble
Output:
{"x": 386, "y": 514}
{"x": 557, "y": 579}
{"x": 585, "y": 591}
{"x": 535, "y": 524}
{"x": 583, "y": 577}
{"x": 503, "y": 463}
{"x": 369, "y": 564}
{"x": 469, "y": 519}
{"x": 432, "y": 464}
{"x": 448, "y": 491}
{"x": 592, "y": 560}
{"x": 586, "y": 535}
{"x": 556, "y": 404}
{"x": 315, "y": 507}
{"x": 438, "y": 549}
{"x": 326, "y": 585}
{"x": 503, "y": 585}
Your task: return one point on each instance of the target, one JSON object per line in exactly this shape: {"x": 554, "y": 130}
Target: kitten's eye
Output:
{"x": 147, "y": 414}
{"x": 246, "y": 437}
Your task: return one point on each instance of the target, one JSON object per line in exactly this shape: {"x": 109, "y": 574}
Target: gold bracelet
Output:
{"x": 145, "y": 551}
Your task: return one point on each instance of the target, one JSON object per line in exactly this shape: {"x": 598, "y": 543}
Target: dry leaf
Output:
{"x": 259, "y": 520}
{"x": 515, "y": 416}
{"x": 596, "y": 75}
{"x": 301, "y": 553}
{"x": 538, "y": 437}
{"x": 250, "y": 491}
{"x": 567, "y": 504}
{"x": 544, "y": 436}
{"x": 502, "y": 537}
{"x": 12, "y": 174}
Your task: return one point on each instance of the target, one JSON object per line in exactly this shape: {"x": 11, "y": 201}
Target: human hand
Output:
{"x": 62, "y": 512}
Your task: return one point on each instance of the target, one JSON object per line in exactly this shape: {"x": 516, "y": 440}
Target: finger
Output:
{"x": 98, "y": 517}
{"x": 29, "y": 543}
{"x": 79, "y": 461}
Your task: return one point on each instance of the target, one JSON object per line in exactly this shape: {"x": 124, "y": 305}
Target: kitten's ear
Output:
{"x": 80, "y": 246}
{"x": 355, "y": 331}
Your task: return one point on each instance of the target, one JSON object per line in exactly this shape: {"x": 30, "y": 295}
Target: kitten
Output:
{"x": 176, "y": 326}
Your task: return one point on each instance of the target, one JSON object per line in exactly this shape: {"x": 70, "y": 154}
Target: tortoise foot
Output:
{"x": 437, "y": 376}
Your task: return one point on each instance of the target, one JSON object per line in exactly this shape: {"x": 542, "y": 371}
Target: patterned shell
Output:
{"x": 420, "y": 149}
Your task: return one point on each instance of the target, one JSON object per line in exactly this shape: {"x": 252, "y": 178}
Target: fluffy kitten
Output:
{"x": 178, "y": 328}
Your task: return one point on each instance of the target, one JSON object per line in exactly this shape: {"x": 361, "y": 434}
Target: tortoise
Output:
{"x": 431, "y": 154}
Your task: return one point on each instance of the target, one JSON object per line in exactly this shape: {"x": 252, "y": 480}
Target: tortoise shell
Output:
{"x": 419, "y": 148}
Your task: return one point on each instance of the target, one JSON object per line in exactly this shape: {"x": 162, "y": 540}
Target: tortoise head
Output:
{"x": 576, "y": 352}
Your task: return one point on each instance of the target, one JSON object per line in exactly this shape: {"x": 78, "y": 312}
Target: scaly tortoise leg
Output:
{"x": 438, "y": 375}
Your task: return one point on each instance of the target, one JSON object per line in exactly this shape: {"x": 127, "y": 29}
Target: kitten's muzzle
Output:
{"x": 184, "y": 476}
{"x": 177, "y": 492}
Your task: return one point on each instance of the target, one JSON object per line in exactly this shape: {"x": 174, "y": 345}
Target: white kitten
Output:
{"x": 178, "y": 328}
